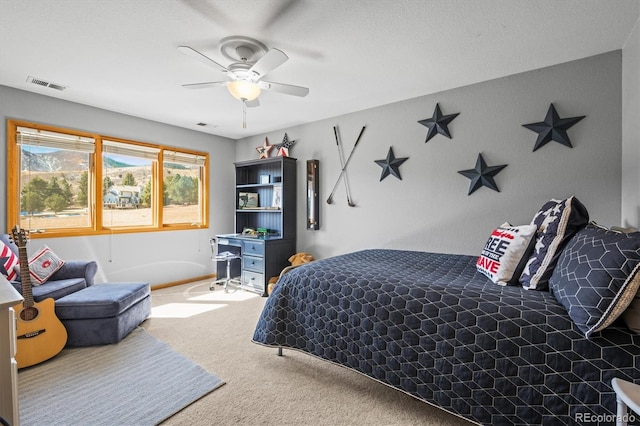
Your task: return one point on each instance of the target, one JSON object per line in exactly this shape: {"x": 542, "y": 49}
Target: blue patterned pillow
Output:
{"x": 597, "y": 276}
{"x": 557, "y": 222}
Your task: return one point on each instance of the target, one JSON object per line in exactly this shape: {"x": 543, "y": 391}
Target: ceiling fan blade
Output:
{"x": 288, "y": 89}
{"x": 210, "y": 12}
{"x": 189, "y": 51}
{"x": 270, "y": 61}
{"x": 281, "y": 14}
{"x": 252, "y": 104}
{"x": 204, "y": 85}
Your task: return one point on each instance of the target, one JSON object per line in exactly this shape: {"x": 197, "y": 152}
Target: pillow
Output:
{"x": 505, "y": 253}
{"x": 43, "y": 264}
{"x": 8, "y": 262}
{"x": 597, "y": 276}
{"x": 557, "y": 222}
{"x": 631, "y": 316}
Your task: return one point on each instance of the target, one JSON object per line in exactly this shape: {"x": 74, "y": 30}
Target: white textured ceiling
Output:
{"x": 121, "y": 55}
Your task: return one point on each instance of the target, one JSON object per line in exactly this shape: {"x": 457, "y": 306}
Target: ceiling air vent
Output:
{"x": 45, "y": 83}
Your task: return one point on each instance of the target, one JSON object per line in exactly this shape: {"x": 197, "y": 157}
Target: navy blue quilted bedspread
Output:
{"x": 430, "y": 325}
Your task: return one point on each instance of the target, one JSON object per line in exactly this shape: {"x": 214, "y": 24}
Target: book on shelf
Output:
{"x": 277, "y": 197}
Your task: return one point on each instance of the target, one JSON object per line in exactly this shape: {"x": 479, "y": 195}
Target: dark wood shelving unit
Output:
{"x": 263, "y": 256}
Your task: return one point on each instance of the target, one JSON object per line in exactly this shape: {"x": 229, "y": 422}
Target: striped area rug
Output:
{"x": 138, "y": 381}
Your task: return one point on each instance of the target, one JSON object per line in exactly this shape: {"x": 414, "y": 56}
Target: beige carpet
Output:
{"x": 261, "y": 387}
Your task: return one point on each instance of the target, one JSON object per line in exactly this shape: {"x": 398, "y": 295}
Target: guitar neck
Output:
{"x": 25, "y": 276}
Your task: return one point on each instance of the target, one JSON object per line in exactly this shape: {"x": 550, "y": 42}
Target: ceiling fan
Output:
{"x": 251, "y": 61}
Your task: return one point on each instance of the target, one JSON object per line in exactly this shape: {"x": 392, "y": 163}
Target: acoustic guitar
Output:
{"x": 40, "y": 334}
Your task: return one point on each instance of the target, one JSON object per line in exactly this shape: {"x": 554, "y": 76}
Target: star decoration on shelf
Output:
{"x": 283, "y": 148}
{"x": 391, "y": 165}
{"x": 553, "y": 128}
{"x": 264, "y": 149}
{"x": 3, "y": 270}
{"x": 482, "y": 175}
{"x": 438, "y": 123}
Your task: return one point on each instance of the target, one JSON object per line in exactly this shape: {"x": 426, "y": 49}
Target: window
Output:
{"x": 127, "y": 171}
{"x": 53, "y": 179}
{"x": 183, "y": 177}
{"x": 74, "y": 183}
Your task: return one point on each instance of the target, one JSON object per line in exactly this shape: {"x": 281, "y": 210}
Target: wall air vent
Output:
{"x": 45, "y": 83}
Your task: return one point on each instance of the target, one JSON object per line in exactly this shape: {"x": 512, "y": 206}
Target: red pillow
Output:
{"x": 8, "y": 260}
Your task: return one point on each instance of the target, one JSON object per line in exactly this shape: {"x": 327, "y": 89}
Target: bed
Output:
{"x": 434, "y": 326}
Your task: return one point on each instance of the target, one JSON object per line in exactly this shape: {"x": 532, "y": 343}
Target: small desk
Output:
{"x": 9, "y": 297}
{"x": 263, "y": 257}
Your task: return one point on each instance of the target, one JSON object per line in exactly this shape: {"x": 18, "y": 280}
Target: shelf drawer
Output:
{"x": 253, "y": 263}
{"x": 253, "y": 281}
{"x": 253, "y": 248}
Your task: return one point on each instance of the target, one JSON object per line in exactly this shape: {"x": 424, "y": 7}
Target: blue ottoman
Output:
{"x": 103, "y": 313}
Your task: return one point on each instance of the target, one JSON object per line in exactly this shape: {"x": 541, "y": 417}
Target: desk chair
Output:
{"x": 224, "y": 257}
{"x": 627, "y": 395}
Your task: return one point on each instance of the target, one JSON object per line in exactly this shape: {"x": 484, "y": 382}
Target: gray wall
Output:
{"x": 156, "y": 257}
{"x": 631, "y": 129}
{"x": 429, "y": 209}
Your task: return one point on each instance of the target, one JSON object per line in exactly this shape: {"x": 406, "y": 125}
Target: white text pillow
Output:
{"x": 506, "y": 252}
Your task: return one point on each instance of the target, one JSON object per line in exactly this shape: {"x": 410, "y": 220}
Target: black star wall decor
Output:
{"x": 553, "y": 128}
{"x": 438, "y": 123}
{"x": 391, "y": 165}
{"x": 482, "y": 175}
{"x": 283, "y": 148}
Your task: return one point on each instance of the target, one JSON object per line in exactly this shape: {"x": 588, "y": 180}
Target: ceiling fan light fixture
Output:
{"x": 244, "y": 90}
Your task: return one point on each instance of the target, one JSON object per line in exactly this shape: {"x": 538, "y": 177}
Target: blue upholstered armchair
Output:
{"x": 74, "y": 275}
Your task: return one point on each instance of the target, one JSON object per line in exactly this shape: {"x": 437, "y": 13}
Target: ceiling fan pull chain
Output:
{"x": 244, "y": 114}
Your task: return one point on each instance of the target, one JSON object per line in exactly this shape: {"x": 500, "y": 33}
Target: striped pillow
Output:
{"x": 8, "y": 262}
{"x": 557, "y": 222}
